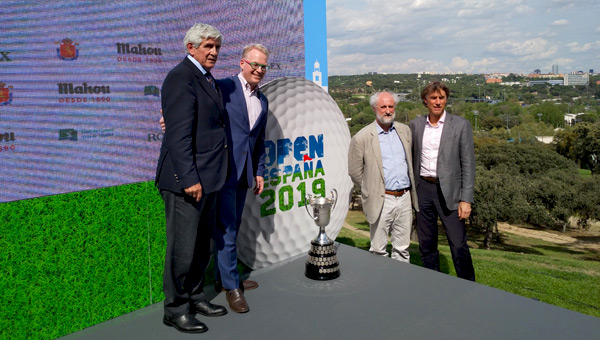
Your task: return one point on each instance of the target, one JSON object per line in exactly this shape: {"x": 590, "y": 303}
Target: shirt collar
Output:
{"x": 245, "y": 84}
{"x": 195, "y": 62}
{"x": 380, "y": 129}
{"x": 440, "y": 122}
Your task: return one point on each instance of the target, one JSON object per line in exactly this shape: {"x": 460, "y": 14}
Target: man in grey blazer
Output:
{"x": 379, "y": 162}
{"x": 444, "y": 159}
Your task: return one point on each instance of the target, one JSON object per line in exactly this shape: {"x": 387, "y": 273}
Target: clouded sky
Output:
{"x": 470, "y": 36}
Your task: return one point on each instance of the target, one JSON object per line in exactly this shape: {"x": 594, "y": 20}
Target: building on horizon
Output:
{"x": 578, "y": 78}
{"x": 554, "y": 69}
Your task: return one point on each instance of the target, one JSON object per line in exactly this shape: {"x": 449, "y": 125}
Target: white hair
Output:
{"x": 197, "y": 33}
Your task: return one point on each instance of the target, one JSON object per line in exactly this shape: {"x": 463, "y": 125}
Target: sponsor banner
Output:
{"x": 105, "y": 73}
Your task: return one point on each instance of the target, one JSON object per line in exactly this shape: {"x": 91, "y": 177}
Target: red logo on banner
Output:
{"x": 67, "y": 50}
{"x": 5, "y": 94}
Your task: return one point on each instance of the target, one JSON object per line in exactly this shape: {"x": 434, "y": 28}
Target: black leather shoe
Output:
{"x": 208, "y": 309}
{"x": 186, "y": 323}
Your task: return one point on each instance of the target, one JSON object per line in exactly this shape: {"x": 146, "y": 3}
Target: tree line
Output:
{"x": 518, "y": 179}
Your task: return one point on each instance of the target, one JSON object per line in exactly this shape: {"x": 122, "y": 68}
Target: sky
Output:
{"x": 468, "y": 36}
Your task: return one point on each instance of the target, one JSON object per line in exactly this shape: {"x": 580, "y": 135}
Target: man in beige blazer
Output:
{"x": 380, "y": 163}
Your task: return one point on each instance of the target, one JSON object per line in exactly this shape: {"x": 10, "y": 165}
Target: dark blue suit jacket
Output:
{"x": 247, "y": 146}
{"x": 194, "y": 150}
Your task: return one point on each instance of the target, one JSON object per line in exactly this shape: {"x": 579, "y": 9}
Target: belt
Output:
{"x": 432, "y": 180}
{"x": 397, "y": 193}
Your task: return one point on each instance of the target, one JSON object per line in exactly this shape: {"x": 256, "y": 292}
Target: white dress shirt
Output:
{"x": 431, "y": 146}
{"x": 252, "y": 101}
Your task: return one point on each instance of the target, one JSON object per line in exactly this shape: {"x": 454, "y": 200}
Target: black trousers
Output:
{"x": 432, "y": 206}
{"x": 189, "y": 229}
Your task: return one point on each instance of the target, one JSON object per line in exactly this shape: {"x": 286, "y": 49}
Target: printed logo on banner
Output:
{"x": 8, "y": 138}
{"x": 138, "y": 53}
{"x": 67, "y": 134}
{"x": 95, "y": 93}
{"x": 67, "y": 50}
{"x": 5, "y": 94}
{"x": 4, "y": 56}
{"x": 155, "y": 137}
{"x": 290, "y": 165}
{"x": 75, "y": 135}
{"x": 151, "y": 90}
{"x": 97, "y": 133}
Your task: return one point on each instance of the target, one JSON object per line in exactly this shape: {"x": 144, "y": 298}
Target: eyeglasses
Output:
{"x": 255, "y": 66}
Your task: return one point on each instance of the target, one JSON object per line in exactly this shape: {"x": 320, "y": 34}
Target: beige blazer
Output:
{"x": 365, "y": 167}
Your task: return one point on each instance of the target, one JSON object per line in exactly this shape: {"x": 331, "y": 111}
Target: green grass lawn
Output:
{"x": 551, "y": 273}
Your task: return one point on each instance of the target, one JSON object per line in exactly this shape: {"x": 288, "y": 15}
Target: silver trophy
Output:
{"x": 322, "y": 263}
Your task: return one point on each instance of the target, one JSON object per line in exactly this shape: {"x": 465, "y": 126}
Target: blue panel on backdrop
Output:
{"x": 315, "y": 42}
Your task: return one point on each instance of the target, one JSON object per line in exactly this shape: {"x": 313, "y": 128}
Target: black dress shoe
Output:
{"x": 208, "y": 309}
{"x": 186, "y": 323}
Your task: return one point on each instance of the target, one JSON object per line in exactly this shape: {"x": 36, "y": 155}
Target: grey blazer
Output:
{"x": 365, "y": 167}
{"x": 456, "y": 158}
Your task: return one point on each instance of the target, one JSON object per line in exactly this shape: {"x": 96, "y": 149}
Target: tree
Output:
{"x": 586, "y": 145}
{"x": 529, "y": 183}
{"x": 550, "y": 114}
{"x": 563, "y": 143}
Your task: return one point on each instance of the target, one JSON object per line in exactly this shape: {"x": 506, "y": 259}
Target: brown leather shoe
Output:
{"x": 237, "y": 301}
{"x": 245, "y": 285}
{"x": 249, "y": 285}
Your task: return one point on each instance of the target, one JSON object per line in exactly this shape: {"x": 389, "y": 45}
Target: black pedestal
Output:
{"x": 322, "y": 263}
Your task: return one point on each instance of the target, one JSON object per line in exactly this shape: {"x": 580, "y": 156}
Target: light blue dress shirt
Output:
{"x": 395, "y": 169}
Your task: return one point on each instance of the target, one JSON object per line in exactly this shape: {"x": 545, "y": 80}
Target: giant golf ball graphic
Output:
{"x": 306, "y": 148}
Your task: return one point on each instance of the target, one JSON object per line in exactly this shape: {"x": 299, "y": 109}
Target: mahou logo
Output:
{"x": 70, "y": 88}
{"x": 94, "y": 93}
{"x": 67, "y": 50}
{"x": 138, "y": 53}
{"x": 5, "y": 94}
{"x": 8, "y": 138}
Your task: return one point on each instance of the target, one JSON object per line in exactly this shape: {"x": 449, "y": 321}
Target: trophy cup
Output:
{"x": 322, "y": 263}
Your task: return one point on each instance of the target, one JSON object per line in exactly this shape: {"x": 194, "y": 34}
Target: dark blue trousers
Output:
{"x": 231, "y": 200}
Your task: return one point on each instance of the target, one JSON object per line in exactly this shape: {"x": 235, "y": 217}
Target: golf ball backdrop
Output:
{"x": 306, "y": 148}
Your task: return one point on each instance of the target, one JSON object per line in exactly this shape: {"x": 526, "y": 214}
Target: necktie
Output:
{"x": 210, "y": 79}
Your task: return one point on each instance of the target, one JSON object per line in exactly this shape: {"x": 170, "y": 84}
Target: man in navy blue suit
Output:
{"x": 246, "y": 117}
{"x": 246, "y": 109}
{"x": 191, "y": 169}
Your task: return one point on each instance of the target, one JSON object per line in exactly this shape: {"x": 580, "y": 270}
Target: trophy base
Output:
{"x": 322, "y": 263}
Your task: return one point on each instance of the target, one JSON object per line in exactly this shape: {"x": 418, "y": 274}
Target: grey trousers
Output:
{"x": 189, "y": 229}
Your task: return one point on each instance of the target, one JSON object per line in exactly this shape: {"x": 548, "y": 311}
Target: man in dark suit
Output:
{"x": 246, "y": 119}
{"x": 191, "y": 169}
{"x": 246, "y": 109}
{"x": 443, "y": 157}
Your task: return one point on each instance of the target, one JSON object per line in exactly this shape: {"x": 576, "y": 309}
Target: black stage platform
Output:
{"x": 374, "y": 298}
